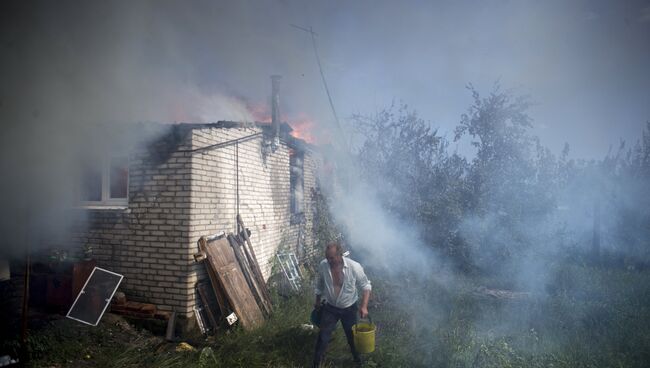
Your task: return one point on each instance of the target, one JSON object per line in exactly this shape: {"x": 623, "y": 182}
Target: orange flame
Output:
{"x": 304, "y": 128}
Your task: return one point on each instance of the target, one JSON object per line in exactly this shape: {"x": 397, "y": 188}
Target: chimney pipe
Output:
{"x": 275, "y": 106}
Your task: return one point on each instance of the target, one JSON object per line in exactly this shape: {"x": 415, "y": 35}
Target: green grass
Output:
{"x": 588, "y": 317}
{"x": 595, "y": 318}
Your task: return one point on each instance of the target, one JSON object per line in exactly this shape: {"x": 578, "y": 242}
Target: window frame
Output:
{"x": 106, "y": 201}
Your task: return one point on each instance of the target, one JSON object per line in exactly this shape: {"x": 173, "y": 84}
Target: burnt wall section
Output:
{"x": 148, "y": 241}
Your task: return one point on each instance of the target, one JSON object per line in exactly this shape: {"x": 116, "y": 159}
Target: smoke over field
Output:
{"x": 504, "y": 241}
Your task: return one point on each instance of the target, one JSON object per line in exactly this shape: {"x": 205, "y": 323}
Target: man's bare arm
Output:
{"x": 363, "y": 308}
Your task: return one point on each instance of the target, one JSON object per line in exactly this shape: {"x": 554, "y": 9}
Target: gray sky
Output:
{"x": 585, "y": 63}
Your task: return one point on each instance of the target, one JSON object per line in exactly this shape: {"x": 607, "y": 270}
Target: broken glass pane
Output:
{"x": 92, "y": 301}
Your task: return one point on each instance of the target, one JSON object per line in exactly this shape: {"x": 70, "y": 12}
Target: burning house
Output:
{"x": 144, "y": 204}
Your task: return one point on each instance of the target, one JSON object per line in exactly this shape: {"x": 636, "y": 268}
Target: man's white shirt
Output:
{"x": 353, "y": 277}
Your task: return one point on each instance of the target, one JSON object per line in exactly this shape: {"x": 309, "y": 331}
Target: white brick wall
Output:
{"x": 176, "y": 197}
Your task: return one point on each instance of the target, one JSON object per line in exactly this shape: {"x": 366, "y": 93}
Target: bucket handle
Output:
{"x": 368, "y": 318}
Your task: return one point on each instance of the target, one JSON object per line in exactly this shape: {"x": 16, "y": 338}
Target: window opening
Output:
{"x": 296, "y": 166}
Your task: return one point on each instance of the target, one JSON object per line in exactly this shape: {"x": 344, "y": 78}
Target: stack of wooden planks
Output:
{"x": 235, "y": 278}
{"x": 138, "y": 310}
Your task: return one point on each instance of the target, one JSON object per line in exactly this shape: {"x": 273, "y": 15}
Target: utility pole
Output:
{"x": 24, "y": 348}
{"x": 327, "y": 90}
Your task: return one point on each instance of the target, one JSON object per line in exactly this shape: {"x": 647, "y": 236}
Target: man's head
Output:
{"x": 334, "y": 254}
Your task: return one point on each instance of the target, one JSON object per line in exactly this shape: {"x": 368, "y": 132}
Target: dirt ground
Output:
{"x": 61, "y": 342}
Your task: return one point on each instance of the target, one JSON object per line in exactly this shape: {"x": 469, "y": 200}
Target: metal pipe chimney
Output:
{"x": 275, "y": 106}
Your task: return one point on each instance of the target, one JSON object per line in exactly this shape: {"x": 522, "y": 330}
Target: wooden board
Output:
{"x": 250, "y": 254}
{"x": 217, "y": 288}
{"x": 248, "y": 273}
{"x": 222, "y": 260}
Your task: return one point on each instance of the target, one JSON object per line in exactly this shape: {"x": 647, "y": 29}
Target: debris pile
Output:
{"x": 236, "y": 282}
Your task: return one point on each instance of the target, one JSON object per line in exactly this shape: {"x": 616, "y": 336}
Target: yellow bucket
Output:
{"x": 364, "y": 337}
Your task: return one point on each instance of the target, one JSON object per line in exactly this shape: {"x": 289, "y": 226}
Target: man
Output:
{"x": 337, "y": 282}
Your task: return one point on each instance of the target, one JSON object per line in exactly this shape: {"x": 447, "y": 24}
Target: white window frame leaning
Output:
{"x": 107, "y": 202}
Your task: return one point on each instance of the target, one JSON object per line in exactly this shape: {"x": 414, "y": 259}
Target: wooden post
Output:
{"x": 171, "y": 327}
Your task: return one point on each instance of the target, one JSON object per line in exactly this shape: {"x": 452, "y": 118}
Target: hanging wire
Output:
{"x": 322, "y": 75}
{"x": 237, "y": 183}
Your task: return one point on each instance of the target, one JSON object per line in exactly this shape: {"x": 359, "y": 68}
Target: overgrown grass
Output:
{"x": 588, "y": 317}
{"x": 114, "y": 343}
{"x": 593, "y": 318}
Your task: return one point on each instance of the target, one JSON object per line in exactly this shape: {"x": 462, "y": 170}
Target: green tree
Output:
{"x": 511, "y": 180}
{"x": 416, "y": 177}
